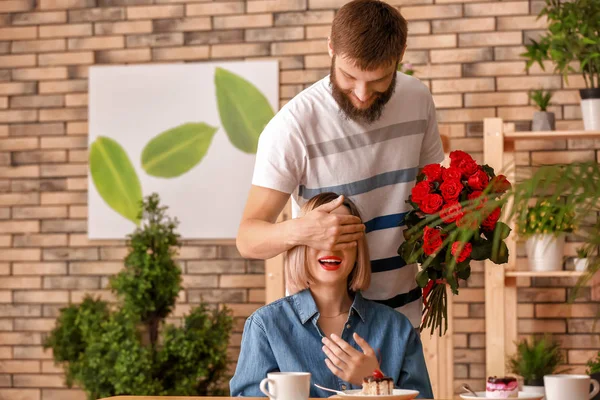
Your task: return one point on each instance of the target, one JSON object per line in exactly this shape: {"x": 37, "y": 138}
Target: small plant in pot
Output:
{"x": 582, "y": 260}
{"x": 593, "y": 370}
{"x": 572, "y": 43}
{"x": 542, "y": 120}
{"x": 544, "y": 226}
{"x": 535, "y": 358}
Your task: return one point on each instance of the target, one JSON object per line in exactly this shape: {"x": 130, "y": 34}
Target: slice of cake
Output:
{"x": 501, "y": 388}
{"x": 377, "y": 385}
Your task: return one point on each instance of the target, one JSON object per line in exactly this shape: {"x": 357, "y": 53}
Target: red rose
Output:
{"x": 490, "y": 222}
{"x": 451, "y": 174}
{"x": 479, "y": 180}
{"x": 420, "y": 191}
{"x": 468, "y": 167}
{"x": 433, "y": 172}
{"x": 426, "y": 291}
{"x": 432, "y": 203}
{"x": 451, "y": 212}
{"x": 432, "y": 240}
{"x": 464, "y": 248}
{"x": 451, "y": 190}
{"x": 457, "y": 156}
{"x": 500, "y": 184}
{"x": 478, "y": 199}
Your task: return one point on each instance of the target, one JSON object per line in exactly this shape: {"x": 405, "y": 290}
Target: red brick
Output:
{"x": 494, "y": 68}
{"x": 239, "y": 50}
{"x": 566, "y": 310}
{"x": 461, "y": 55}
{"x": 509, "y": 53}
{"x": 431, "y": 41}
{"x": 20, "y": 394}
{"x": 25, "y": 60}
{"x": 316, "y": 61}
{"x": 529, "y": 83}
{"x": 20, "y": 283}
{"x": 465, "y": 115}
{"x": 16, "y": 144}
{"x": 18, "y": 33}
{"x": 239, "y": 281}
{"x": 180, "y": 53}
{"x": 123, "y": 56}
{"x": 432, "y": 12}
{"x": 304, "y": 18}
{"x": 39, "y": 46}
{"x": 77, "y": 128}
{"x": 521, "y": 23}
{"x": 97, "y": 14}
{"x": 70, "y": 58}
{"x": 32, "y": 352}
{"x": 124, "y": 27}
{"x": 469, "y": 325}
{"x": 63, "y": 142}
{"x": 234, "y": 7}
{"x": 447, "y": 100}
{"x": 275, "y": 5}
{"x": 318, "y": 32}
{"x": 523, "y": 113}
{"x": 38, "y": 381}
{"x": 15, "y": 5}
{"x": 35, "y": 325}
{"x": 560, "y": 157}
{"x": 155, "y": 40}
{"x": 274, "y": 34}
{"x": 95, "y": 268}
{"x": 64, "y": 114}
{"x": 65, "y": 4}
{"x": 96, "y": 43}
{"x": 243, "y": 310}
{"x": 20, "y": 366}
{"x": 48, "y": 268}
{"x": 243, "y": 21}
{"x": 41, "y": 296}
{"x": 489, "y": 39}
{"x": 64, "y": 86}
{"x": 541, "y": 326}
{"x": 150, "y": 12}
{"x": 299, "y": 47}
{"x": 462, "y": 85}
{"x": 43, "y": 101}
{"x": 496, "y": 99}
{"x": 40, "y": 240}
{"x": 40, "y": 18}
{"x": 182, "y": 25}
{"x": 463, "y": 25}
{"x": 67, "y": 30}
{"x": 49, "y": 367}
{"x": 28, "y": 171}
{"x": 504, "y": 8}
{"x": 12, "y": 88}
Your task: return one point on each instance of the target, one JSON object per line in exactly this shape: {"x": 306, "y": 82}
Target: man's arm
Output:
{"x": 261, "y": 237}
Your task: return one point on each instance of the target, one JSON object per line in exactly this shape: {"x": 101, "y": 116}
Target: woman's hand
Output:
{"x": 346, "y": 362}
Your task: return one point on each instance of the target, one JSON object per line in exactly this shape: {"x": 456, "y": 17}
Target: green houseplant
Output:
{"x": 122, "y": 350}
{"x": 543, "y": 120}
{"x": 535, "y": 358}
{"x": 572, "y": 43}
{"x": 583, "y": 258}
{"x": 544, "y": 226}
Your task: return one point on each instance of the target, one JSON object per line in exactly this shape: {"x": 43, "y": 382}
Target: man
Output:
{"x": 362, "y": 132}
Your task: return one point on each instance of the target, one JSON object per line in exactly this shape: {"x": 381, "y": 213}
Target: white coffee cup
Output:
{"x": 286, "y": 385}
{"x": 571, "y": 387}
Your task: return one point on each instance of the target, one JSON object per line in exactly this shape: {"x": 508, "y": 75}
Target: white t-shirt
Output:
{"x": 309, "y": 147}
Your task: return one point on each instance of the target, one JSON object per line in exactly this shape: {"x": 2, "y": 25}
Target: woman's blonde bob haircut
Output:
{"x": 297, "y": 274}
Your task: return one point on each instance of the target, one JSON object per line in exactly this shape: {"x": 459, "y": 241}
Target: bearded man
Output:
{"x": 362, "y": 132}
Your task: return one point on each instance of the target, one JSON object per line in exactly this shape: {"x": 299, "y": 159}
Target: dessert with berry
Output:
{"x": 501, "y": 388}
{"x": 377, "y": 384}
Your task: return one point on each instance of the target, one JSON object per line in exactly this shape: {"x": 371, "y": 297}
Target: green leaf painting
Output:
{"x": 243, "y": 109}
{"x": 115, "y": 178}
{"x": 174, "y": 152}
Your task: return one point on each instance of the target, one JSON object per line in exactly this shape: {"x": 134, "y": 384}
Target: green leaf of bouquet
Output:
{"x": 115, "y": 178}
{"x": 176, "y": 151}
{"x": 482, "y": 251}
{"x": 243, "y": 108}
{"x": 500, "y": 256}
{"x": 422, "y": 278}
{"x": 489, "y": 170}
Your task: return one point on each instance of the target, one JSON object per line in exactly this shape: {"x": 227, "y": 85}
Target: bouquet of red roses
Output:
{"x": 454, "y": 220}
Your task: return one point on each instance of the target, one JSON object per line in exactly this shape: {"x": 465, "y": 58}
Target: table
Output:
{"x": 189, "y": 398}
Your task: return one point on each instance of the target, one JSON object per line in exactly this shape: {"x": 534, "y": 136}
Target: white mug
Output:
{"x": 286, "y": 385}
{"x": 571, "y": 387}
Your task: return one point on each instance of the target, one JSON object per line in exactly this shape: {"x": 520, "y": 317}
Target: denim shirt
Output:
{"x": 284, "y": 336}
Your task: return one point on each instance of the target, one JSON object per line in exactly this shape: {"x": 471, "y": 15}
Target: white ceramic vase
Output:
{"x": 581, "y": 264}
{"x": 534, "y": 389}
{"x": 545, "y": 252}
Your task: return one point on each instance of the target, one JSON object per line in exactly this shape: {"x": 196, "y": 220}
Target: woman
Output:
{"x": 327, "y": 328}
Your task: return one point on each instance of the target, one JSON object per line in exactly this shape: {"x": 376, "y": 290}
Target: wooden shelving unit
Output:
{"x": 501, "y": 280}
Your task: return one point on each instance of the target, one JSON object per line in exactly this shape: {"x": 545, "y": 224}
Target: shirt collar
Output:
{"x": 307, "y": 308}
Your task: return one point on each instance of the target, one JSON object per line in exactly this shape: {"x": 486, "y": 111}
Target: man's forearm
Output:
{"x": 261, "y": 240}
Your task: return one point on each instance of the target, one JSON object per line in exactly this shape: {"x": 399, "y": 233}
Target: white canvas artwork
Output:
{"x": 185, "y": 131}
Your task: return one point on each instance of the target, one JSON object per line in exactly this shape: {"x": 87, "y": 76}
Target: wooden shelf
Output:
{"x": 544, "y": 274}
{"x": 551, "y": 135}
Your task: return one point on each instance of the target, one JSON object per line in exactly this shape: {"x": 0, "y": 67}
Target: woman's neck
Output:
{"x": 331, "y": 300}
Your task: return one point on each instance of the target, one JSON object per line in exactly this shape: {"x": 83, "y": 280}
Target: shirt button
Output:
{"x": 343, "y": 387}
{"x": 348, "y": 326}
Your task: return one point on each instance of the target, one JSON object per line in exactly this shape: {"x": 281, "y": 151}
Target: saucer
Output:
{"x": 522, "y": 395}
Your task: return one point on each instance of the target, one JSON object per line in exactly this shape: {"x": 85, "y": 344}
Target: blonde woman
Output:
{"x": 326, "y": 327}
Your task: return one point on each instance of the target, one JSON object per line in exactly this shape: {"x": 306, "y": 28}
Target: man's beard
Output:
{"x": 366, "y": 115}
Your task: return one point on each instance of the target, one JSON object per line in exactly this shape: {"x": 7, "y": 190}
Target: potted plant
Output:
{"x": 582, "y": 260}
{"x": 542, "y": 120}
{"x": 572, "y": 43}
{"x": 535, "y": 358}
{"x": 593, "y": 370}
{"x": 128, "y": 348}
{"x": 544, "y": 225}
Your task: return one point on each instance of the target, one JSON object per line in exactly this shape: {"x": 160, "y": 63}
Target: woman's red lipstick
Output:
{"x": 330, "y": 263}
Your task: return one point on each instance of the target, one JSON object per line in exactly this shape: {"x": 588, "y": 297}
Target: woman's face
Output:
{"x": 331, "y": 267}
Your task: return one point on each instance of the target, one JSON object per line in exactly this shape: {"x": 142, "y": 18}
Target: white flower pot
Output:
{"x": 590, "y": 108}
{"x": 545, "y": 252}
{"x": 534, "y": 389}
{"x": 581, "y": 264}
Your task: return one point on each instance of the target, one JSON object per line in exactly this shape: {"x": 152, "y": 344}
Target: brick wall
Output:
{"x": 466, "y": 51}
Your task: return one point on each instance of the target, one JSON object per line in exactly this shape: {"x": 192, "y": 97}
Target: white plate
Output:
{"x": 522, "y": 395}
{"x": 399, "y": 394}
